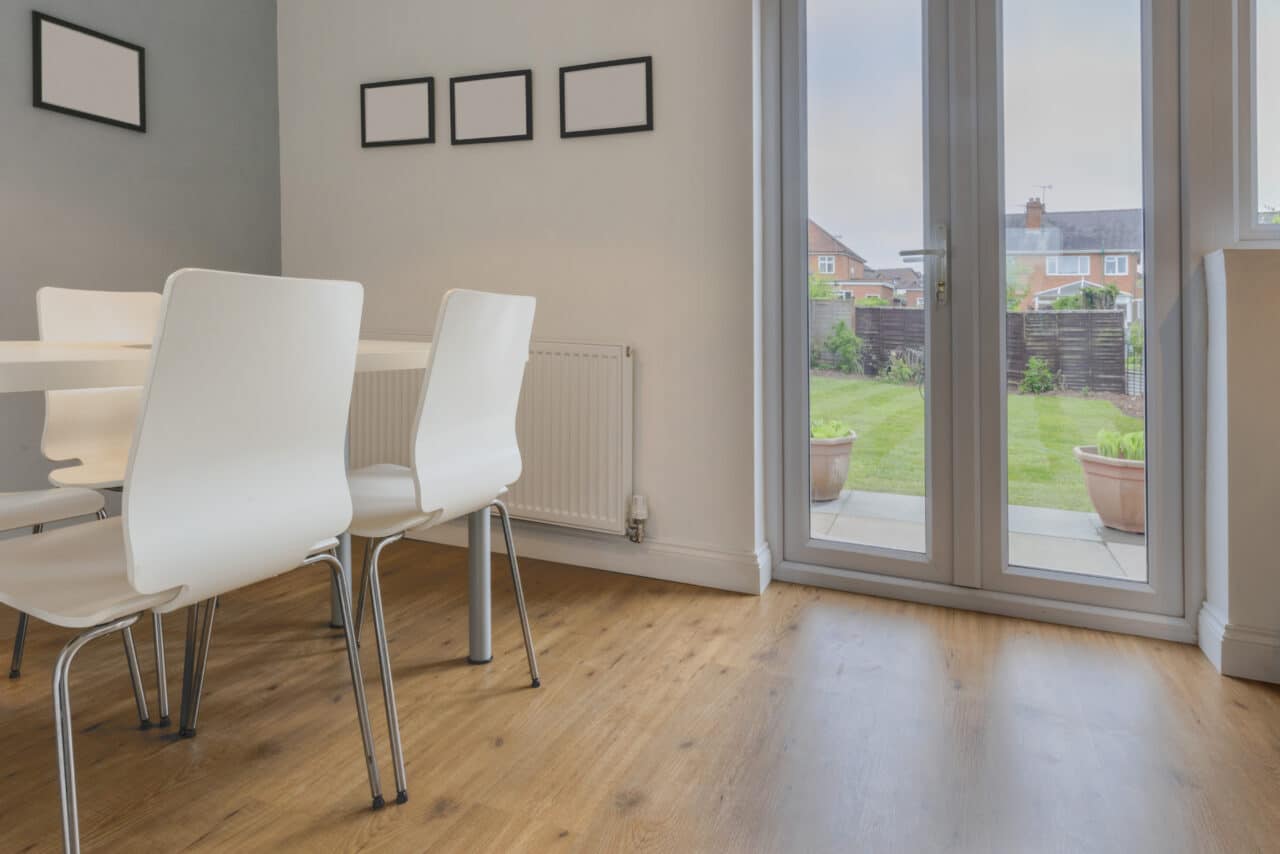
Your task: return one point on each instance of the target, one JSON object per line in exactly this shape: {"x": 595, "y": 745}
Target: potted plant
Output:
{"x": 1115, "y": 474}
{"x": 830, "y": 442}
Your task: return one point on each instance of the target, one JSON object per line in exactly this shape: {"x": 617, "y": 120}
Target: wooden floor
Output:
{"x": 671, "y": 718}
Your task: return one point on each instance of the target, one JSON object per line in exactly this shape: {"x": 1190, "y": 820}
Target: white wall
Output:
{"x": 87, "y": 205}
{"x": 644, "y": 239}
{"x": 1240, "y": 620}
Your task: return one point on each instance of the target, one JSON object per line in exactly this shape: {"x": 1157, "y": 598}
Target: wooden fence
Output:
{"x": 1084, "y": 349}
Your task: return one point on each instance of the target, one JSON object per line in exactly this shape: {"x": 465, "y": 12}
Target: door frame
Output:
{"x": 1163, "y": 591}
{"x": 935, "y": 565}
{"x": 781, "y": 29}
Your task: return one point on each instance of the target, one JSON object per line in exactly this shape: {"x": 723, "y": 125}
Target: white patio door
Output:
{"x": 982, "y": 285}
{"x": 869, "y": 213}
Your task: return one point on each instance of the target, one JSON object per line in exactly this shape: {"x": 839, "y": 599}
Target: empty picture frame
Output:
{"x": 491, "y": 107}
{"x": 607, "y": 97}
{"x": 398, "y": 112}
{"x": 83, "y": 73}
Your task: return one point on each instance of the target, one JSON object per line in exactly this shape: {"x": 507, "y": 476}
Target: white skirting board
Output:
{"x": 1239, "y": 651}
{"x": 738, "y": 572}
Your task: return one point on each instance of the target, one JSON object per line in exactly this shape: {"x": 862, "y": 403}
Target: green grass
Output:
{"x": 889, "y": 453}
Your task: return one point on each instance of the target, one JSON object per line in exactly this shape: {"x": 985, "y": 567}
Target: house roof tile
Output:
{"x": 1076, "y": 231}
{"x": 824, "y": 242}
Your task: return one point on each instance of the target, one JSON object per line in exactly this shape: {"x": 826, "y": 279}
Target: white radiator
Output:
{"x": 574, "y": 427}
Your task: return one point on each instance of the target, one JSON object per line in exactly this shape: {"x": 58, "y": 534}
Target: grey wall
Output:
{"x": 88, "y": 205}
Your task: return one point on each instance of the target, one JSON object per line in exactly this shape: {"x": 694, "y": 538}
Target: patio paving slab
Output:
{"x": 882, "y": 533}
{"x": 1040, "y": 537}
{"x": 1084, "y": 557}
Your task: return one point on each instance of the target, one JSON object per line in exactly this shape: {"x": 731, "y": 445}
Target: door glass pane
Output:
{"x": 867, "y": 323}
{"x": 1266, "y": 117}
{"x": 1074, "y": 285}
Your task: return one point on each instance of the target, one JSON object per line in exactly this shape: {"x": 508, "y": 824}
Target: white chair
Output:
{"x": 34, "y": 509}
{"x": 464, "y": 454}
{"x": 236, "y": 475}
{"x": 95, "y": 425}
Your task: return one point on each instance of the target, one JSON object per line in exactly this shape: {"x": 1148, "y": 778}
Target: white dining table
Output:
{"x": 47, "y": 366}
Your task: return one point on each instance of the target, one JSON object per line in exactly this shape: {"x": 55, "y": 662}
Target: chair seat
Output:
{"x": 73, "y": 577}
{"x": 384, "y": 501}
{"x": 40, "y": 506}
{"x": 99, "y": 474}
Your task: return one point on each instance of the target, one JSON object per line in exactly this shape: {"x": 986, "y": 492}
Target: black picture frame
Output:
{"x": 429, "y": 139}
{"x": 646, "y": 61}
{"x": 526, "y": 73}
{"x": 37, "y": 94}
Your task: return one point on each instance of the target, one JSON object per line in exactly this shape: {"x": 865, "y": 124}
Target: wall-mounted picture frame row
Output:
{"x": 597, "y": 98}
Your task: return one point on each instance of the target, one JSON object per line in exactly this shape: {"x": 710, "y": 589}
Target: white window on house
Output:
{"x": 1067, "y": 265}
{"x": 1116, "y": 265}
{"x": 826, "y": 263}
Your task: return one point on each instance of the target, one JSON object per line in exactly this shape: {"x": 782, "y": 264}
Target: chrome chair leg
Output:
{"x": 162, "y": 679}
{"x": 515, "y": 580}
{"x": 135, "y": 675}
{"x": 357, "y": 676}
{"x": 63, "y": 730}
{"x": 384, "y": 665}
{"x": 364, "y": 587}
{"x": 193, "y": 690}
{"x": 188, "y": 665}
{"x": 19, "y": 644}
{"x": 20, "y": 636}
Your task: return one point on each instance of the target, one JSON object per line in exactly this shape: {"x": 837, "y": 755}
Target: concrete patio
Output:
{"x": 1040, "y": 537}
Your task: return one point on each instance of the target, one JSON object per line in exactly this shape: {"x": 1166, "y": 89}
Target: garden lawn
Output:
{"x": 889, "y": 453}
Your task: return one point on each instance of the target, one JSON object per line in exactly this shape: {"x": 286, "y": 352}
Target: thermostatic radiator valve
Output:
{"x": 637, "y": 515}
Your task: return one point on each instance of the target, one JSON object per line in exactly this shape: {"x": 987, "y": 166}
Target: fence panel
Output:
{"x": 1085, "y": 349}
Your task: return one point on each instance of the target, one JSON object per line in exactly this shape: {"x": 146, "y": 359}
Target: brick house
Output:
{"x": 1054, "y": 255}
{"x": 908, "y": 286}
{"x": 831, "y": 261}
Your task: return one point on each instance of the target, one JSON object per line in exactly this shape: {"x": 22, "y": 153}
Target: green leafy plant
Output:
{"x": 820, "y": 289}
{"x": 1017, "y": 278}
{"x": 829, "y": 428}
{"x": 900, "y": 371}
{"x": 1037, "y": 378}
{"x": 1122, "y": 446}
{"x": 872, "y": 302}
{"x": 1090, "y": 297}
{"x": 1137, "y": 346}
{"x": 845, "y": 348}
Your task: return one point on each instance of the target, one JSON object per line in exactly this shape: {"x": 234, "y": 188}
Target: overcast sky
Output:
{"x": 1073, "y": 113}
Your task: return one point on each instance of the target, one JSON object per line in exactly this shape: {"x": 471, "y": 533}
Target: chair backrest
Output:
{"x": 464, "y": 448}
{"x": 238, "y": 466}
{"x": 95, "y": 423}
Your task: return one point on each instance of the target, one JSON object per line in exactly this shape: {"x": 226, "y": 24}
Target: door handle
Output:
{"x": 939, "y": 254}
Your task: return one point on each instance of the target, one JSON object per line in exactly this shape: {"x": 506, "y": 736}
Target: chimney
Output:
{"x": 1035, "y": 212}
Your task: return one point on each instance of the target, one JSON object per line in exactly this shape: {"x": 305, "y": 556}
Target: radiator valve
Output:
{"x": 637, "y": 515}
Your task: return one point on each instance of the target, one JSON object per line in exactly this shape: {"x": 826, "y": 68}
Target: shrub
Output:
{"x": 1137, "y": 345}
{"x": 820, "y": 289}
{"x": 845, "y": 348}
{"x": 1122, "y": 446}
{"x": 828, "y": 428}
{"x": 900, "y": 371}
{"x": 1068, "y": 303}
{"x": 872, "y": 302}
{"x": 1037, "y": 378}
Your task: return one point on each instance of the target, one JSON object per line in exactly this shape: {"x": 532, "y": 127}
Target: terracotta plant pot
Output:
{"x": 1117, "y": 488}
{"x": 828, "y": 466}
